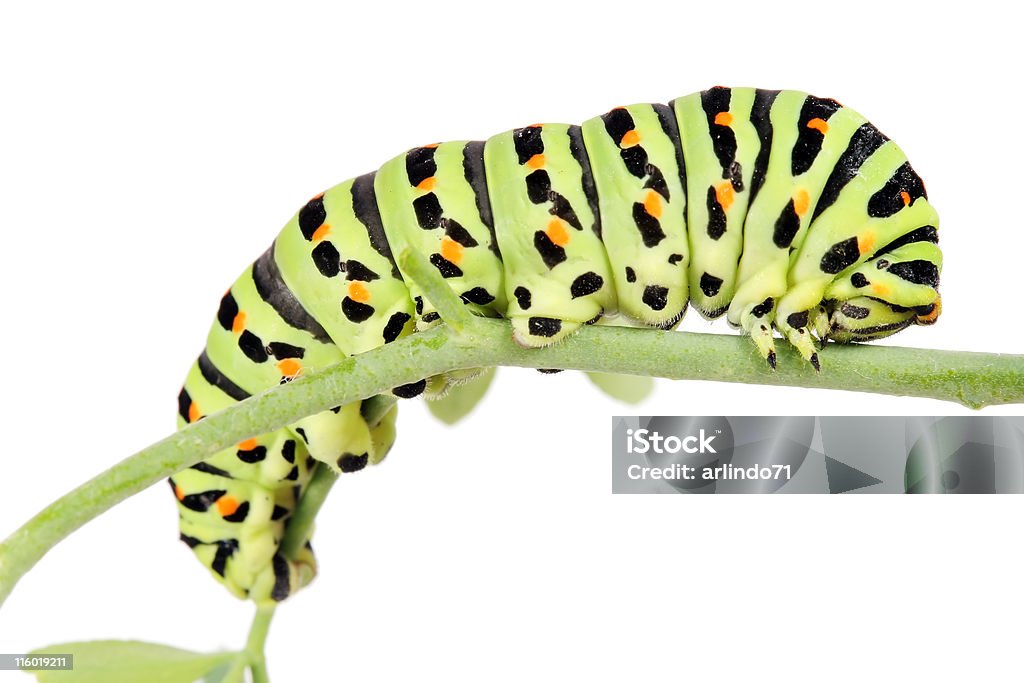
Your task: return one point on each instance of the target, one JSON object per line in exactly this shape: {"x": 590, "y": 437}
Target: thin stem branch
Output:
{"x": 973, "y": 379}
{"x": 254, "y": 646}
{"x": 313, "y": 498}
{"x": 449, "y": 306}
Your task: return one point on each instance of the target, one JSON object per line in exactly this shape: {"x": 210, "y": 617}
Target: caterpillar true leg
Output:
{"x": 756, "y": 321}
{"x": 795, "y": 328}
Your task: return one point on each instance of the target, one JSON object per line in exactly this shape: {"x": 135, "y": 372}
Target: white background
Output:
{"x": 147, "y": 155}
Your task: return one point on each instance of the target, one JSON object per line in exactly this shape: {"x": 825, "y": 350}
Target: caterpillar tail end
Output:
{"x": 284, "y": 577}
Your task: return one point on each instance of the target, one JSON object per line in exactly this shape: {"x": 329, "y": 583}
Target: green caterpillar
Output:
{"x": 781, "y": 210}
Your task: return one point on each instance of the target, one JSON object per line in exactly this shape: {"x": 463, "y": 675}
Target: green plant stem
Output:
{"x": 313, "y": 498}
{"x": 236, "y": 673}
{"x": 449, "y": 306}
{"x": 255, "y": 644}
{"x": 974, "y": 379}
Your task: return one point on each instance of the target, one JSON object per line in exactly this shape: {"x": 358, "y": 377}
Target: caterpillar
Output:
{"x": 783, "y": 211}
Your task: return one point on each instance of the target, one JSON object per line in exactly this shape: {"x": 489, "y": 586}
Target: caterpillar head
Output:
{"x": 895, "y": 288}
{"x": 865, "y": 318}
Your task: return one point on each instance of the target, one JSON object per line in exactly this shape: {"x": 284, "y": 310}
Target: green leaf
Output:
{"x": 626, "y": 388}
{"x": 131, "y": 661}
{"x": 461, "y": 398}
{"x": 228, "y": 672}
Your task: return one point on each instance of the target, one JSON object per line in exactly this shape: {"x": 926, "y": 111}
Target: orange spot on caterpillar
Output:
{"x": 929, "y": 318}
{"x": 289, "y": 367}
{"x": 238, "y": 324}
{"x": 801, "y": 201}
{"x": 178, "y": 493}
{"x": 865, "y": 242}
{"x": 723, "y": 118}
{"x": 630, "y": 138}
{"x": 652, "y": 204}
{"x": 905, "y": 196}
{"x": 319, "y": 196}
{"x": 557, "y": 233}
{"x": 357, "y": 291}
{"x": 452, "y": 250}
{"x": 725, "y": 194}
{"x": 321, "y": 232}
{"x": 193, "y": 412}
{"x": 432, "y": 145}
{"x": 427, "y": 184}
{"x": 536, "y": 161}
{"x": 820, "y": 125}
{"x": 881, "y": 290}
{"x": 247, "y": 445}
{"x": 227, "y": 505}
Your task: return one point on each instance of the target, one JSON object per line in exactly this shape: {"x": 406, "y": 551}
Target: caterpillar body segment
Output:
{"x": 637, "y": 163}
{"x": 434, "y": 200}
{"x": 720, "y": 146}
{"x": 337, "y": 272}
{"x": 547, "y": 224}
{"x": 783, "y": 211}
